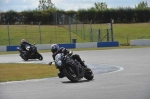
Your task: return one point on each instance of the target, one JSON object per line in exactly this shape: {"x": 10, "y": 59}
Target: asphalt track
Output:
{"x": 128, "y": 78}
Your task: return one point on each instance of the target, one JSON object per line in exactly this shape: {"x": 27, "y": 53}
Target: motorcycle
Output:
{"x": 30, "y": 53}
{"x": 72, "y": 69}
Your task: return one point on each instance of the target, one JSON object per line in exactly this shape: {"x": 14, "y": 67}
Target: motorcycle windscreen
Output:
{"x": 27, "y": 47}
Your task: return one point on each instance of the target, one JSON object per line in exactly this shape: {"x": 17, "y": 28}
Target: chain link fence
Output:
{"x": 82, "y": 30}
{"x": 63, "y": 29}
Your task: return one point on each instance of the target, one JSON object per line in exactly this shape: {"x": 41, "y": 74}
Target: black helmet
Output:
{"x": 54, "y": 48}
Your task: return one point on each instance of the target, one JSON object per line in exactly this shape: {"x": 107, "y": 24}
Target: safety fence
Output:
{"x": 63, "y": 29}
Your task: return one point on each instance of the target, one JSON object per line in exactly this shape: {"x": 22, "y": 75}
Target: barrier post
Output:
{"x": 8, "y": 33}
{"x": 40, "y": 32}
{"x": 107, "y": 35}
{"x": 99, "y": 39}
{"x": 112, "y": 34}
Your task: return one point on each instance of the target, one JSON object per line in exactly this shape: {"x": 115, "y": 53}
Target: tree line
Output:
{"x": 98, "y": 14}
{"x": 121, "y": 15}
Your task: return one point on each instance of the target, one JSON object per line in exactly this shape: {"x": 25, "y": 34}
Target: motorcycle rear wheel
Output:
{"x": 40, "y": 57}
{"x": 89, "y": 75}
{"x": 25, "y": 58}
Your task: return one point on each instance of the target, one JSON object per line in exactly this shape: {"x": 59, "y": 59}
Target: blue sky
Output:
{"x": 21, "y": 5}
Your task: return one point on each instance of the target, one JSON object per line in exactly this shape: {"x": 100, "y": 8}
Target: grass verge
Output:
{"x": 17, "y": 72}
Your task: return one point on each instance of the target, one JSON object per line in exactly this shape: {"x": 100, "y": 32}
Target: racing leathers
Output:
{"x": 65, "y": 51}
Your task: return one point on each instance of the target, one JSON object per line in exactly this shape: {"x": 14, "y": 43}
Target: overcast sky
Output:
{"x": 21, "y": 5}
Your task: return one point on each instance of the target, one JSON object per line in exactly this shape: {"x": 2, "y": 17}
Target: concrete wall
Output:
{"x": 86, "y": 45}
{"x": 70, "y": 45}
{"x": 140, "y": 42}
{"x": 3, "y": 48}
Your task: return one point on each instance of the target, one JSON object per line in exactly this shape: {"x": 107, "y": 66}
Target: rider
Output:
{"x": 55, "y": 50}
{"x": 23, "y": 46}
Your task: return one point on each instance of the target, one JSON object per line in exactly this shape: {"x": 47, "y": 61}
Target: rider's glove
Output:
{"x": 50, "y": 63}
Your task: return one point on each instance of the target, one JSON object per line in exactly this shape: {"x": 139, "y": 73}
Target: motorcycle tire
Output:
{"x": 71, "y": 76}
{"x": 40, "y": 57}
{"x": 89, "y": 75}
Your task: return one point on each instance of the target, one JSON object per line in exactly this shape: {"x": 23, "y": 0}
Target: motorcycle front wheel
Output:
{"x": 25, "y": 58}
{"x": 70, "y": 74}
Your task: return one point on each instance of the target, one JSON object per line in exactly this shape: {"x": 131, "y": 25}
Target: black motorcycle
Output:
{"x": 30, "y": 53}
{"x": 72, "y": 69}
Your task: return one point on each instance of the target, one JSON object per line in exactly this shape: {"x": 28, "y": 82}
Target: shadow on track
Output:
{"x": 81, "y": 81}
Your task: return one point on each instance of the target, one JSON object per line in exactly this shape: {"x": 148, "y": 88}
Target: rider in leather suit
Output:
{"x": 55, "y": 50}
{"x": 22, "y": 46}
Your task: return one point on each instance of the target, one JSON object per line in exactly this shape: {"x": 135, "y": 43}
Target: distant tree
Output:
{"x": 142, "y": 5}
{"x": 92, "y": 9}
{"x": 45, "y": 5}
{"x": 10, "y": 16}
{"x": 100, "y": 6}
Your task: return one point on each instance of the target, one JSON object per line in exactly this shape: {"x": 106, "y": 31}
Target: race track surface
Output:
{"x": 128, "y": 78}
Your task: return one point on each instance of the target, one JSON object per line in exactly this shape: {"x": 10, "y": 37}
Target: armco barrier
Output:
{"x": 73, "y": 45}
{"x": 3, "y": 48}
{"x": 68, "y": 46}
{"x": 107, "y": 44}
{"x": 12, "y": 48}
{"x": 86, "y": 45}
{"x": 140, "y": 42}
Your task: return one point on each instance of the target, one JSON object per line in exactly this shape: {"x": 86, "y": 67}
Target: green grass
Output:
{"x": 54, "y": 34}
{"x": 49, "y": 34}
{"x": 17, "y": 72}
{"x": 126, "y": 32}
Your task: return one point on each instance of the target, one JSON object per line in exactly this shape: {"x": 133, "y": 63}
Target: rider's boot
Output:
{"x": 85, "y": 66}
{"x": 61, "y": 75}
